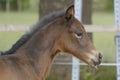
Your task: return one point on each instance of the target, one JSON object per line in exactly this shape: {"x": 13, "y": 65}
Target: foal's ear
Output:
{"x": 70, "y": 13}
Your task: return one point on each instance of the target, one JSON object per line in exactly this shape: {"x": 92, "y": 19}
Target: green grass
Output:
{"x": 103, "y": 73}
{"x": 7, "y": 39}
{"x": 103, "y": 18}
{"x": 105, "y": 43}
{"x": 19, "y": 18}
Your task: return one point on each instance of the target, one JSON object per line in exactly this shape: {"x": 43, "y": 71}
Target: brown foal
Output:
{"x": 30, "y": 57}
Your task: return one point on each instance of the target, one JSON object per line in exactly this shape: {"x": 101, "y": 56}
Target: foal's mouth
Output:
{"x": 98, "y": 62}
{"x": 95, "y": 64}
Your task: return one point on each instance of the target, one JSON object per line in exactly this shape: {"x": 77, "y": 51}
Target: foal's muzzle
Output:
{"x": 98, "y": 61}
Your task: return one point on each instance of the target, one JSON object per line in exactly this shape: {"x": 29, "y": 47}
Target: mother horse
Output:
{"x": 31, "y": 57}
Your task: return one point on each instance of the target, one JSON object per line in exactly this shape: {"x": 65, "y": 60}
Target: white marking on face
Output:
{"x": 93, "y": 55}
{"x": 94, "y": 51}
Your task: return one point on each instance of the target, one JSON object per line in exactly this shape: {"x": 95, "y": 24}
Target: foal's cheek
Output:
{"x": 83, "y": 42}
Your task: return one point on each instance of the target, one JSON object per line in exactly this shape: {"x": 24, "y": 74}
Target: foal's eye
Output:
{"x": 78, "y": 35}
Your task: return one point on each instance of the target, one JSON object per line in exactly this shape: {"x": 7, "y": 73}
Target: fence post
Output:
{"x": 75, "y": 61}
{"x": 117, "y": 21}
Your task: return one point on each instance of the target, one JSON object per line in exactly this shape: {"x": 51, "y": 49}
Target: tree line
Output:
{"x": 20, "y": 5}
{"x": 8, "y": 5}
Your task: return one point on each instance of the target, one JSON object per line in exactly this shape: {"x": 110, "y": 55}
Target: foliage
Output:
{"x": 106, "y": 5}
{"x": 103, "y": 73}
{"x": 25, "y": 4}
{"x": 54, "y": 77}
{"x": 86, "y": 73}
{"x": 109, "y": 4}
{"x": 2, "y": 4}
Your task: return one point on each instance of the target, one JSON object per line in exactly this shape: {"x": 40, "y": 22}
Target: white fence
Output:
{"x": 89, "y": 28}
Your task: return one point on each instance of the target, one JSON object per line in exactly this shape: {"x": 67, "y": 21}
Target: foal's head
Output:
{"x": 74, "y": 40}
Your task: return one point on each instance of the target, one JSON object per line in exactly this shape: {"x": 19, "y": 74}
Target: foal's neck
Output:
{"x": 40, "y": 48}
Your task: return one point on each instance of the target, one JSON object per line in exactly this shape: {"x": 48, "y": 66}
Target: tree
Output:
{"x": 87, "y": 13}
{"x": 19, "y": 4}
{"x": 7, "y": 5}
{"x": 48, "y": 6}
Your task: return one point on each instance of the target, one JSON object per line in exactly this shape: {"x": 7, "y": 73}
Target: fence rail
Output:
{"x": 89, "y": 28}
{"x": 102, "y": 64}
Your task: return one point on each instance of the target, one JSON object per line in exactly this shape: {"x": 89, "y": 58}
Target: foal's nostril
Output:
{"x": 100, "y": 57}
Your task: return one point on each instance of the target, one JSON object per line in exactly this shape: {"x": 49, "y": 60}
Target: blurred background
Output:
{"x": 95, "y": 12}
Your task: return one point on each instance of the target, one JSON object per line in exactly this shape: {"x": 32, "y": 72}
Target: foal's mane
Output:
{"x": 47, "y": 19}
